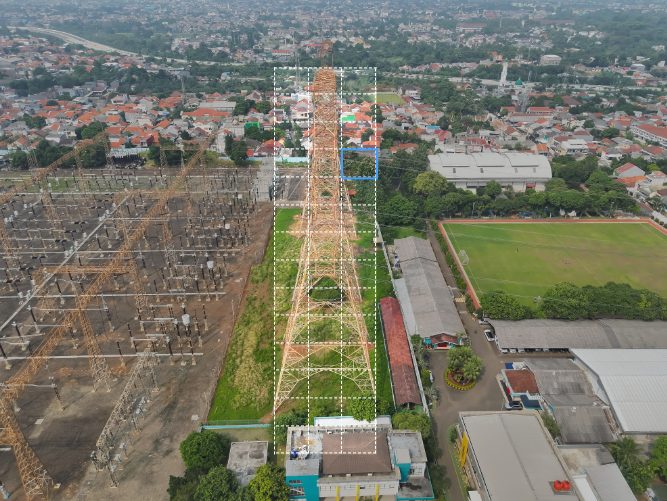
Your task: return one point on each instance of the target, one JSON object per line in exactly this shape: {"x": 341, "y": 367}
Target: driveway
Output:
{"x": 484, "y": 396}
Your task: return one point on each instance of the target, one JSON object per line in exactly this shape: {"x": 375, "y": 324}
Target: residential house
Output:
{"x": 628, "y": 170}
{"x": 651, "y": 133}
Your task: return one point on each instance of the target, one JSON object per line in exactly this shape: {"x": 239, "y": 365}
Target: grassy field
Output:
{"x": 525, "y": 259}
{"x": 389, "y": 98}
{"x": 245, "y": 389}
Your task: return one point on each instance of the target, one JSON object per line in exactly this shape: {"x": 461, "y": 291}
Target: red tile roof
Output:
{"x": 521, "y": 381}
{"x": 626, "y": 167}
{"x": 630, "y": 182}
{"x": 652, "y": 129}
{"x": 402, "y": 369}
{"x": 655, "y": 150}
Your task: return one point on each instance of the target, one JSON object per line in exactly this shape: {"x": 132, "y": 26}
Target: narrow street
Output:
{"x": 484, "y": 396}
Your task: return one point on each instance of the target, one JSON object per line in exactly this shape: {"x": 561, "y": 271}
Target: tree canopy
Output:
{"x": 204, "y": 450}
{"x": 269, "y": 484}
{"x": 412, "y": 420}
{"x": 659, "y": 456}
{"x": 238, "y": 152}
{"x": 637, "y": 472}
{"x": 362, "y": 409}
{"x": 89, "y": 131}
{"x": 499, "y": 305}
{"x": 572, "y": 302}
{"x": 219, "y": 483}
{"x": 462, "y": 360}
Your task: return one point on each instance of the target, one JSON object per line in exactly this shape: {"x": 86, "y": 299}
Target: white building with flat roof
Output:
{"x": 511, "y": 457}
{"x": 550, "y": 60}
{"x": 518, "y": 171}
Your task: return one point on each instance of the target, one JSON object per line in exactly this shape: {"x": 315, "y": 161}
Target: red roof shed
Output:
{"x": 403, "y": 378}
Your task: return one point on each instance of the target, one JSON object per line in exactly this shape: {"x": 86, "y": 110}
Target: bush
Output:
{"x": 550, "y": 424}
{"x": 453, "y": 434}
{"x": 499, "y": 305}
{"x": 204, "y": 450}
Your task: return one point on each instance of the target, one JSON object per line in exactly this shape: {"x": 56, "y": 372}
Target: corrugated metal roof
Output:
{"x": 490, "y": 165}
{"x": 403, "y": 378}
{"x": 431, "y": 301}
{"x": 401, "y": 291}
{"x": 412, "y": 248}
{"x": 634, "y": 382}
{"x": 564, "y": 334}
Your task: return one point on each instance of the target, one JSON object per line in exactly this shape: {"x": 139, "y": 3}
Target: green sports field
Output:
{"x": 525, "y": 259}
{"x": 389, "y": 98}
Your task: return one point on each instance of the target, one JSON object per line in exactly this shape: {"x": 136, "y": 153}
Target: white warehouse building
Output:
{"x": 518, "y": 171}
{"x": 550, "y": 60}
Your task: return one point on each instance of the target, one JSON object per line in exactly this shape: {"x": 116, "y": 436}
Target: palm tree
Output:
{"x": 624, "y": 450}
{"x": 463, "y": 362}
{"x": 472, "y": 368}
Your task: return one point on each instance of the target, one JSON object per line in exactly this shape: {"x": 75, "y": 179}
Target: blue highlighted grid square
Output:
{"x": 376, "y": 151}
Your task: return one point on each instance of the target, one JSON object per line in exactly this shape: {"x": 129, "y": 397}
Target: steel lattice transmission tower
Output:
{"x": 326, "y": 331}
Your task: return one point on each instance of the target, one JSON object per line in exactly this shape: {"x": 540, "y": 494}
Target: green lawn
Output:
{"x": 525, "y": 259}
{"x": 389, "y": 98}
{"x": 245, "y": 389}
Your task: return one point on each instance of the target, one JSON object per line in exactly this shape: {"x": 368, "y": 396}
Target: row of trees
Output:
{"x": 206, "y": 479}
{"x": 136, "y": 80}
{"x": 570, "y": 302}
{"x": 45, "y": 153}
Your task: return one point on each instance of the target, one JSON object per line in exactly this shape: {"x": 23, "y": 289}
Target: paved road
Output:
{"x": 484, "y": 396}
{"x": 75, "y": 39}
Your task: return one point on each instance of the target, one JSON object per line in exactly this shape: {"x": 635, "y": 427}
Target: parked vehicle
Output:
{"x": 514, "y": 405}
{"x": 490, "y": 336}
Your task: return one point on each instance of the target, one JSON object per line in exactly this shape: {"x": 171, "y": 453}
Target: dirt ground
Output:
{"x": 64, "y": 439}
